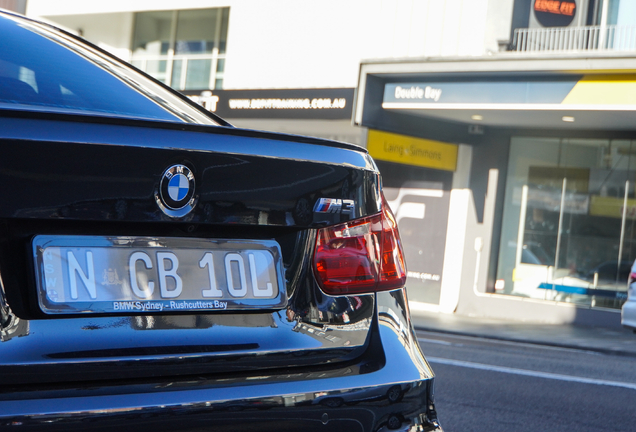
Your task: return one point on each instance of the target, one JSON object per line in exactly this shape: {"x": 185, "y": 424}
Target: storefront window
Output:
{"x": 569, "y": 220}
{"x": 185, "y": 49}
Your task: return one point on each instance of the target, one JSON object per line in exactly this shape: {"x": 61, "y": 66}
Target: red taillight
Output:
{"x": 363, "y": 255}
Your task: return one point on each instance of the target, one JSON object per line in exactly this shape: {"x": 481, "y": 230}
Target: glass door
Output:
{"x": 570, "y": 207}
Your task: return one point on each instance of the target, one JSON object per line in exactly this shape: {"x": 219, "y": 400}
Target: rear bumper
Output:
{"x": 628, "y": 313}
{"x": 390, "y": 393}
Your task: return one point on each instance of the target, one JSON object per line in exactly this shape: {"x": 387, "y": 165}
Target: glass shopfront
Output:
{"x": 185, "y": 49}
{"x": 569, "y": 221}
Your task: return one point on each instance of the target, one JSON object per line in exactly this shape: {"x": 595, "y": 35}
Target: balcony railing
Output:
{"x": 590, "y": 38}
{"x": 184, "y": 72}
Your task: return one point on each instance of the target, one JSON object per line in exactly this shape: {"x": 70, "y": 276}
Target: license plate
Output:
{"x": 96, "y": 274}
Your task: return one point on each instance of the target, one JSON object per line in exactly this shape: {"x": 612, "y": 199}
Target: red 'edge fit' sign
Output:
{"x": 554, "y": 13}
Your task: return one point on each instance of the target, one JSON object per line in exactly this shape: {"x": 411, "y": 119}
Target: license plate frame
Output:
{"x": 134, "y": 275}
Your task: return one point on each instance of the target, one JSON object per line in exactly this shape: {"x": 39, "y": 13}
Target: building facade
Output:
{"x": 503, "y": 128}
{"x": 14, "y": 5}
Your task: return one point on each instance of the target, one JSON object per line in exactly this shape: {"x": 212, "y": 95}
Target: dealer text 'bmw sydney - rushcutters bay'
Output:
{"x": 163, "y": 270}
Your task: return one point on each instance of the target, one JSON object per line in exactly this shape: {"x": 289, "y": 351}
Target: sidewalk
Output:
{"x": 603, "y": 340}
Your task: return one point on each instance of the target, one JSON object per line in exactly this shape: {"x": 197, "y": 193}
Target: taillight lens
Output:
{"x": 364, "y": 255}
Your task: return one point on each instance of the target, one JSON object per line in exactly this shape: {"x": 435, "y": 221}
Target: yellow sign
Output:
{"x": 412, "y": 151}
{"x": 603, "y": 90}
{"x": 612, "y": 207}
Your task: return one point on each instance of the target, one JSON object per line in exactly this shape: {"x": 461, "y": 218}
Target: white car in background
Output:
{"x": 628, "y": 313}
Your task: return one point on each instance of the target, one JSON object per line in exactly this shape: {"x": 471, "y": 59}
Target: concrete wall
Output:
{"x": 303, "y": 43}
{"x": 498, "y": 22}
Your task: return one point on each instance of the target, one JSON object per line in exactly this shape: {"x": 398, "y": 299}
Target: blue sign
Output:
{"x": 480, "y": 92}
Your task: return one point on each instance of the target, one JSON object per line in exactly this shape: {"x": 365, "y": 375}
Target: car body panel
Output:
{"x": 98, "y": 166}
{"x": 81, "y": 189}
{"x": 628, "y": 313}
{"x": 232, "y": 401}
{"x": 628, "y": 310}
{"x": 72, "y": 168}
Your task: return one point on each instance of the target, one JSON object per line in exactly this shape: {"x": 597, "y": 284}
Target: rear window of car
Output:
{"x": 46, "y": 70}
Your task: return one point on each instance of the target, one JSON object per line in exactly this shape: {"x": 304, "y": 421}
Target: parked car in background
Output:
{"x": 161, "y": 270}
{"x": 628, "y": 311}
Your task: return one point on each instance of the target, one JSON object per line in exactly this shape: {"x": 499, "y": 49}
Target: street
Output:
{"x": 490, "y": 385}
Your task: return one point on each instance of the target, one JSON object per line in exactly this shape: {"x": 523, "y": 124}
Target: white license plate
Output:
{"x": 96, "y": 274}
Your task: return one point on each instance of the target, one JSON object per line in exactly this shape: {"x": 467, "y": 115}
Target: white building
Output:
{"x": 503, "y": 128}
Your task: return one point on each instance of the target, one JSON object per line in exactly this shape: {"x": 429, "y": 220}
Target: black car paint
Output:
{"x": 108, "y": 172}
{"x": 79, "y": 190}
{"x": 281, "y": 399}
{"x": 97, "y": 175}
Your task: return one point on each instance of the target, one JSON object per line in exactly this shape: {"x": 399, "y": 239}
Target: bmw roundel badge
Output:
{"x": 176, "y": 191}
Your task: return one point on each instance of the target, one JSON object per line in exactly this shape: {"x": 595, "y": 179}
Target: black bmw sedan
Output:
{"x": 161, "y": 270}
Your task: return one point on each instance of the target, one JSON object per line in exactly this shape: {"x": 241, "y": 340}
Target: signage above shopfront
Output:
{"x": 576, "y": 92}
{"x": 324, "y": 104}
{"x": 554, "y": 13}
{"x": 412, "y": 151}
{"x": 436, "y": 94}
